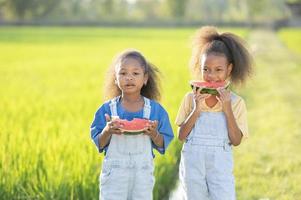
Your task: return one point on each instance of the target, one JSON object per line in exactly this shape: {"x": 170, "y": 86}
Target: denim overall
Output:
{"x": 127, "y": 169}
{"x": 206, "y": 160}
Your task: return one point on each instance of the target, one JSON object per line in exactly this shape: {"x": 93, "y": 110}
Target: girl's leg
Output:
{"x": 220, "y": 177}
{"x": 114, "y": 184}
{"x": 143, "y": 184}
{"x": 192, "y": 176}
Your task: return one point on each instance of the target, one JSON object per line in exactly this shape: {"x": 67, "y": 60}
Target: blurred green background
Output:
{"x": 52, "y": 76}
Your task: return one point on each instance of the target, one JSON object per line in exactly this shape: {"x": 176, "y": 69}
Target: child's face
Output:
{"x": 130, "y": 76}
{"x": 215, "y": 68}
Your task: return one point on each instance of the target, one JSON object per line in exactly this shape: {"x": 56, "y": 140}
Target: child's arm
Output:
{"x": 104, "y": 138}
{"x": 112, "y": 127}
{"x": 154, "y": 134}
{"x": 186, "y": 127}
{"x": 235, "y": 134}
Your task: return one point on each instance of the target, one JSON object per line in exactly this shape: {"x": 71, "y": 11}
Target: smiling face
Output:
{"x": 215, "y": 67}
{"x": 130, "y": 76}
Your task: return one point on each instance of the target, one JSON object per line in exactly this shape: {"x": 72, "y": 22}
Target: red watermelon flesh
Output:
{"x": 133, "y": 127}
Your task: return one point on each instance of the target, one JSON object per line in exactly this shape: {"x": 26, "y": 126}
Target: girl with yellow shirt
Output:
{"x": 211, "y": 124}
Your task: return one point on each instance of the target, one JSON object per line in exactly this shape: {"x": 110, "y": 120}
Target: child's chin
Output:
{"x": 130, "y": 91}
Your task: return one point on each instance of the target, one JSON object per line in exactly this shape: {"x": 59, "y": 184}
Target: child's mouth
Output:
{"x": 130, "y": 85}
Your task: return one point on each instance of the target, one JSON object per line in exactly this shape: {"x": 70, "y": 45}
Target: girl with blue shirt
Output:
{"x": 127, "y": 169}
{"x": 211, "y": 124}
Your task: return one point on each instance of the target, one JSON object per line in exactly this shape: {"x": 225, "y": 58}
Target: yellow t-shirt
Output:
{"x": 238, "y": 107}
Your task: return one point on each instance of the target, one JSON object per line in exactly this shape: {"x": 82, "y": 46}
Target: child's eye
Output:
{"x": 205, "y": 69}
{"x": 122, "y": 73}
{"x": 136, "y": 73}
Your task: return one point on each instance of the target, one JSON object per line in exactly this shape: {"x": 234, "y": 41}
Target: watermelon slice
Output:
{"x": 133, "y": 127}
{"x": 208, "y": 87}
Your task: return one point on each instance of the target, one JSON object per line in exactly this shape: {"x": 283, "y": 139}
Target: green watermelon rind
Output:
{"x": 132, "y": 132}
{"x": 209, "y": 90}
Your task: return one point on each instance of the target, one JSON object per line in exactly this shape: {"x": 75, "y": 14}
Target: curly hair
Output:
{"x": 152, "y": 88}
{"x": 208, "y": 41}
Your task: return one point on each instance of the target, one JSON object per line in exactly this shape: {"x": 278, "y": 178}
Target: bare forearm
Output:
{"x": 187, "y": 126}
{"x": 158, "y": 140}
{"x": 104, "y": 138}
{"x": 234, "y": 132}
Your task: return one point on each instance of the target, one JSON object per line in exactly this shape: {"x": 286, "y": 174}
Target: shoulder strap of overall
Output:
{"x": 113, "y": 106}
{"x": 146, "y": 108}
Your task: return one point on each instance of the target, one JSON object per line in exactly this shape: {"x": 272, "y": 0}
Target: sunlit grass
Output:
{"x": 291, "y": 38}
{"x": 51, "y": 84}
{"x": 268, "y": 164}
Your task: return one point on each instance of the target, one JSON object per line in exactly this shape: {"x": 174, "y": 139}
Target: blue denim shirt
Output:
{"x": 157, "y": 113}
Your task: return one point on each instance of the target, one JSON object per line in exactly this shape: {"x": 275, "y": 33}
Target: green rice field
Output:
{"x": 51, "y": 84}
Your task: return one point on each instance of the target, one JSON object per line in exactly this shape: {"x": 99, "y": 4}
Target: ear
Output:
{"x": 115, "y": 81}
{"x": 229, "y": 69}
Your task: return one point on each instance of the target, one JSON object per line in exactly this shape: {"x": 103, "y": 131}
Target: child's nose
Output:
{"x": 211, "y": 75}
{"x": 129, "y": 77}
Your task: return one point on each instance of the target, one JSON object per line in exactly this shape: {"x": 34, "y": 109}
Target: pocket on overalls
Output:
{"x": 106, "y": 174}
{"x": 148, "y": 171}
{"x": 187, "y": 162}
{"x": 224, "y": 162}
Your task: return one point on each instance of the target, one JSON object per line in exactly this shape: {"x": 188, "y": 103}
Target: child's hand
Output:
{"x": 225, "y": 99}
{"x": 151, "y": 129}
{"x": 112, "y": 126}
{"x": 199, "y": 97}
